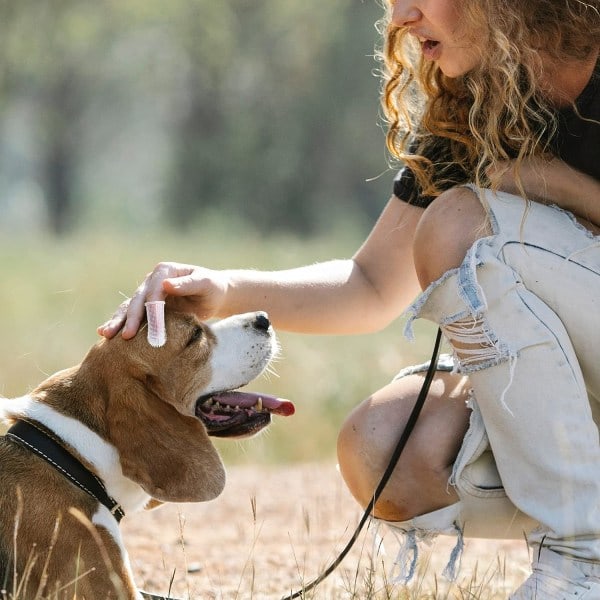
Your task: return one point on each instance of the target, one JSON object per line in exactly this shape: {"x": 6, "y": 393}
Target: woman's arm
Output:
{"x": 552, "y": 182}
{"x": 356, "y": 295}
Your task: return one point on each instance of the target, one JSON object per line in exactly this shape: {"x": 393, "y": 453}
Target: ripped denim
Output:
{"x": 483, "y": 509}
{"x": 522, "y": 314}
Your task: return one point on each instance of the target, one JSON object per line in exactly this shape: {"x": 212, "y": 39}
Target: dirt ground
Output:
{"x": 274, "y": 529}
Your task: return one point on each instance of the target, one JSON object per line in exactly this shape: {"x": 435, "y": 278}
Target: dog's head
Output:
{"x": 164, "y": 402}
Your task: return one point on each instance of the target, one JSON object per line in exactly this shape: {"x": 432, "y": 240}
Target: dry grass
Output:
{"x": 275, "y": 528}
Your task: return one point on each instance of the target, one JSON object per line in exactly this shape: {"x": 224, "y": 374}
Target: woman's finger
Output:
{"x": 114, "y": 324}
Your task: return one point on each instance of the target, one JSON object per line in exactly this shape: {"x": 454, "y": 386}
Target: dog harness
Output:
{"x": 31, "y": 436}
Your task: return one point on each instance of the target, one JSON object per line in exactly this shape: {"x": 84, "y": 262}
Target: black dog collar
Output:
{"x": 52, "y": 451}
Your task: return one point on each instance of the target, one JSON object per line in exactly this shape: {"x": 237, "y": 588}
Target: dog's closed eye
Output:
{"x": 196, "y": 336}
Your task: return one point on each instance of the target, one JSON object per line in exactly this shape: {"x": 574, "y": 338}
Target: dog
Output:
{"x": 127, "y": 429}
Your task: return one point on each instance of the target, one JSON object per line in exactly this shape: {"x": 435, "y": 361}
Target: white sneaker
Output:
{"x": 559, "y": 577}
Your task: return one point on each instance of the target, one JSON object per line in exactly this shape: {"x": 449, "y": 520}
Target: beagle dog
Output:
{"x": 125, "y": 430}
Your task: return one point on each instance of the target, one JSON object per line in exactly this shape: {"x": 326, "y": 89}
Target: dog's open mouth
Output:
{"x": 239, "y": 414}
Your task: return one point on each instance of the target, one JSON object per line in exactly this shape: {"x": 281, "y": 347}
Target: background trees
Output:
{"x": 146, "y": 111}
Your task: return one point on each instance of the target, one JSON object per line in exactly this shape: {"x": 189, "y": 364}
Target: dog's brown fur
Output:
{"x": 142, "y": 401}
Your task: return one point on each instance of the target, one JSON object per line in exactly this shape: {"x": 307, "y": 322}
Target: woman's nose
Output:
{"x": 404, "y": 13}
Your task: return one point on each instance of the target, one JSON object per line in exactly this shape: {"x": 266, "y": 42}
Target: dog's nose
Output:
{"x": 261, "y": 321}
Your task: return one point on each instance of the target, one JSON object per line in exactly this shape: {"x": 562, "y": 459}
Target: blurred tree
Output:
{"x": 49, "y": 49}
{"x": 263, "y": 108}
{"x": 276, "y": 133}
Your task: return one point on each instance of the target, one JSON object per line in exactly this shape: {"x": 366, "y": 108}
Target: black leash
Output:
{"x": 410, "y": 424}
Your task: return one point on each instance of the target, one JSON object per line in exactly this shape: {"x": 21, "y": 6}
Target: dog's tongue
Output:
{"x": 277, "y": 406}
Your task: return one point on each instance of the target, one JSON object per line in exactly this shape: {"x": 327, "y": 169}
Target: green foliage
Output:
{"x": 55, "y": 293}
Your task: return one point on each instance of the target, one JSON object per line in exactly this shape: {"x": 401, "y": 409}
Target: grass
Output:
{"x": 274, "y": 529}
{"x": 55, "y": 292}
{"x": 365, "y": 580}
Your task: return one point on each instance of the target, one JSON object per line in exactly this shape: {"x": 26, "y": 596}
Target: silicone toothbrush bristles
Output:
{"x": 157, "y": 333}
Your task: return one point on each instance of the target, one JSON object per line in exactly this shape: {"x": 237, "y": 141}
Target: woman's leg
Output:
{"x": 421, "y": 499}
{"x": 521, "y": 313}
{"x": 369, "y": 435}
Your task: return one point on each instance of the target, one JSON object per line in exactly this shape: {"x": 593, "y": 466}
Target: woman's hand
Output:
{"x": 185, "y": 287}
{"x": 551, "y": 182}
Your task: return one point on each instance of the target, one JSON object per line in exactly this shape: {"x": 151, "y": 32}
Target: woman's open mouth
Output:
{"x": 431, "y": 49}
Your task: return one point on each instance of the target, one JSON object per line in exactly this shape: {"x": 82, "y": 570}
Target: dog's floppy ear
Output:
{"x": 169, "y": 454}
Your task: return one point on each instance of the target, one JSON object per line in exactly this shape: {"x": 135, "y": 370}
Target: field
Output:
{"x": 275, "y": 528}
{"x": 285, "y": 512}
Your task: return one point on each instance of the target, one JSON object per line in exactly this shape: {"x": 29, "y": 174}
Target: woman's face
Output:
{"x": 442, "y": 31}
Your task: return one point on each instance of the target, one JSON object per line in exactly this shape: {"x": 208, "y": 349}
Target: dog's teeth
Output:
{"x": 259, "y": 404}
{"x": 237, "y": 408}
{"x": 217, "y": 405}
{"x": 209, "y": 402}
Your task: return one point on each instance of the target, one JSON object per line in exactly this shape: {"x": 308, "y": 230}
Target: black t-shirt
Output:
{"x": 577, "y": 142}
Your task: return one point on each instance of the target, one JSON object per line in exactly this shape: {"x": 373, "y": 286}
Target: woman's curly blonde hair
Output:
{"x": 496, "y": 111}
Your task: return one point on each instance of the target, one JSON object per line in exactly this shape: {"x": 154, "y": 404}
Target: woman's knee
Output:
{"x": 446, "y": 231}
{"x": 369, "y": 435}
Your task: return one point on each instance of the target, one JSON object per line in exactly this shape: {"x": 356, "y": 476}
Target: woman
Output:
{"x": 494, "y": 107}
